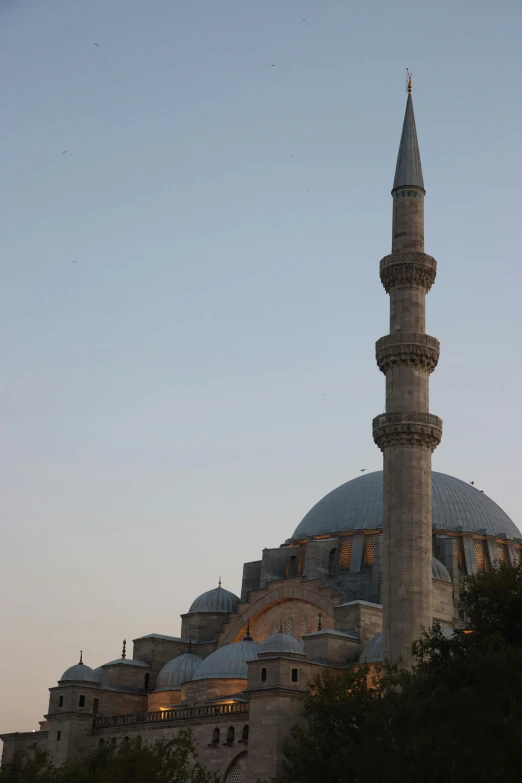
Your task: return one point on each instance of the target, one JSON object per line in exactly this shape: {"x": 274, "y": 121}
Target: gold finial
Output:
{"x": 409, "y": 82}
{"x": 80, "y": 662}
{"x": 124, "y": 648}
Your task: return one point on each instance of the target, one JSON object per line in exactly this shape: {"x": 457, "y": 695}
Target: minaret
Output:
{"x": 407, "y": 433}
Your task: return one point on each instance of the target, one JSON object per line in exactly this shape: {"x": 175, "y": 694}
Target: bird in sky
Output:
{"x": 96, "y": 43}
{"x": 74, "y": 260}
{"x": 63, "y": 152}
{"x": 472, "y": 482}
{"x": 362, "y": 470}
{"x": 482, "y": 490}
{"x": 273, "y": 65}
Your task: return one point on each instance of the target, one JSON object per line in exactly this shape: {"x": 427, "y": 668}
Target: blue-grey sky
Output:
{"x": 182, "y": 286}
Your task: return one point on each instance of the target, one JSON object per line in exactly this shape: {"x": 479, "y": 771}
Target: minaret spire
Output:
{"x": 408, "y": 171}
{"x": 407, "y": 433}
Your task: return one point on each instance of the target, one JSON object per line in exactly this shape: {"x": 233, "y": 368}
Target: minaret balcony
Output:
{"x": 413, "y": 349}
{"x": 408, "y": 268}
{"x": 408, "y": 428}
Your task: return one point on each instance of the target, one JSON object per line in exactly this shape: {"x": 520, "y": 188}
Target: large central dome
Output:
{"x": 357, "y": 505}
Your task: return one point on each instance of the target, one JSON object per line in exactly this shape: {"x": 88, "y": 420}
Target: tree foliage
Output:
{"x": 455, "y": 717}
{"x": 166, "y": 761}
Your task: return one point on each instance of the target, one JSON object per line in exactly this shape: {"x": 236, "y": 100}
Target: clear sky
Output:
{"x": 190, "y": 293}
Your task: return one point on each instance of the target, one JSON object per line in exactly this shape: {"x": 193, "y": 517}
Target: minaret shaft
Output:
{"x": 407, "y": 433}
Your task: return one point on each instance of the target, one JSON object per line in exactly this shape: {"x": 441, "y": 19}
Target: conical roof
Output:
{"x": 408, "y": 172}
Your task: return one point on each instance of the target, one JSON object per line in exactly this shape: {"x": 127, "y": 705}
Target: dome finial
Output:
{"x": 320, "y": 621}
{"x": 247, "y": 637}
{"x": 80, "y": 662}
{"x": 219, "y": 582}
{"x": 123, "y": 652}
{"x": 409, "y": 81}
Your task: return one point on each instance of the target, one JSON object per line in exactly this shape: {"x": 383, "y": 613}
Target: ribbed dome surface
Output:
{"x": 80, "y": 673}
{"x": 282, "y": 643}
{"x": 439, "y": 571}
{"x": 177, "y": 671}
{"x": 357, "y": 505}
{"x": 228, "y": 662}
{"x": 216, "y": 600}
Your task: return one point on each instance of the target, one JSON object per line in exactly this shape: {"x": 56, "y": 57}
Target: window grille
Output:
{"x": 289, "y": 626}
{"x": 369, "y": 553}
{"x": 276, "y": 627}
{"x": 235, "y": 775}
{"x": 501, "y": 555}
{"x": 346, "y": 553}
{"x": 304, "y": 626}
{"x": 479, "y": 556}
{"x": 261, "y": 639}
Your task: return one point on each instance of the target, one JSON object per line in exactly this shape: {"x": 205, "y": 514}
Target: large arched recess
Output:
{"x": 235, "y": 628}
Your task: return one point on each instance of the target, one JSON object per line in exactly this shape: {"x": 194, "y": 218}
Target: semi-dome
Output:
{"x": 229, "y": 661}
{"x": 357, "y": 505}
{"x": 177, "y": 671}
{"x": 216, "y": 600}
{"x": 80, "y": 673}
{"x": 439, "y": 570}
{"x": 282, "y": 643}
{"x": 372, "y": 650}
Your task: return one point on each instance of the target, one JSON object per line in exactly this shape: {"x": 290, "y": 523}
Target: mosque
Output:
{"x": 370, "y": 565}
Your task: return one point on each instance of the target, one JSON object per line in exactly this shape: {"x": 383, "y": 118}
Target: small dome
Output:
{"x": 439, "y": 571}
{"x": 372, "y": 650}
{"x": 99, "y": 674}
{"x": 229, "y": 661}
{"x": 282, "y": 643}
{"x": 80, "y": 673}
{"x": 177, "y": 671}
{"x": 216, "y": 600}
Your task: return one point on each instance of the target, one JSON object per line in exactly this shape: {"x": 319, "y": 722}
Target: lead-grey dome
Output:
{"x": 372, "y": 650}
{"x": 282, "y": 643}
{"x": 216, "y": 600}
{"x": 80, "y": 673}
{"x": 228, "y": 662}
{"x": 177, "y": 671}
{"x": 357, "y": 505}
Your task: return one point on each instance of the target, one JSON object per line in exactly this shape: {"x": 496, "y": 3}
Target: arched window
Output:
{"x": 235, "y": 775}
{"x": 331, "y": 560}
{"x": 369, "y": 552}
{"x": 291, "y": 567}
{"x": 81, "y": 701}
{"x": 295, "y": 675}
{"x": 215, "y": 737}
{"x": 230, "y": 735}
{"x": 346, "y": 553}
{"x": 480, "y": 555}
{"x": 244, "y": 734}
{"x": 147, "y": 678}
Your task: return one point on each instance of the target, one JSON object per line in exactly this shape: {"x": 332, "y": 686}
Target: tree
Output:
{"x": 455, "y": 717}
{"x": 132, "y": 761}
